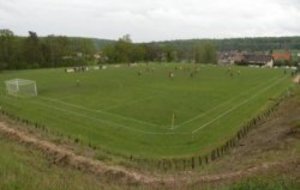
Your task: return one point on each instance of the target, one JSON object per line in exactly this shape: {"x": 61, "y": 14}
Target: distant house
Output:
{"x": 282, "y": 57}
{"x": 224, "y": 58}
{"x": 238, "y": 57}
{"x": 245, "y": 58}
{"x": 258, "y": 59}
{"x": 229, "y": 57}
{"x": 97, "y": 56}
{"x": 79, "y": 54}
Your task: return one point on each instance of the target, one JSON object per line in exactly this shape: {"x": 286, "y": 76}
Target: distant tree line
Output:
{"x": 57, "y": 51}
{"x": 36, "y": 52}
{"x": 195, "y": 50}
{"x": 243, "y": 44}
{"x": 124, "y": 51}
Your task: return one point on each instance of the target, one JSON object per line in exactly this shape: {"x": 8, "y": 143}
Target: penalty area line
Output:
{"x": 237, "y": 106}
{"x": 218, "y": 106}
{"x": 97, "y": 111}
{"x": 113, "y": 124}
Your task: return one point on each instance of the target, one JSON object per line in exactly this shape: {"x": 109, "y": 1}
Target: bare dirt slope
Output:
{"x": 63, "y": 155}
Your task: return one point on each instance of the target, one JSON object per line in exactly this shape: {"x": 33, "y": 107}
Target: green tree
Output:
{"x": 124, "y": 51}
{"x": 152, "y": 52}
{"x": 54, "y": 48}
{"x": 7, "y": 55}
{"x": 83, "y": 47}
{"x": 32, "y": 51}
{"x": 138, "y": 53}
{"x": 205, "y": 53}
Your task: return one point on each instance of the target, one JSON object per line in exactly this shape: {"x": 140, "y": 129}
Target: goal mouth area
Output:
{"x": 21, "y": 87}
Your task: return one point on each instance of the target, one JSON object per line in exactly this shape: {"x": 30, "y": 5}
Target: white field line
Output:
{"x": 237, "y": 106}
{"x": 129, "y": 103}
{"x": 116, "y": 125}
{"x": 112, "y": 123}
{"x": 98, "y": 111}
{"x": 218, "y": 106}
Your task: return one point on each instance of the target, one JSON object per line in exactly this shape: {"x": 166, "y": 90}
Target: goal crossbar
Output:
{"x": 21, "y": 87}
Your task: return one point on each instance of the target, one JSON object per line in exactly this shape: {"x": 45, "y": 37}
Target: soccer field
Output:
{"x": 150, "y": 115}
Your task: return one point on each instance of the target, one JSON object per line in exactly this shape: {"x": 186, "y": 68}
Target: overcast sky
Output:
{"x": 152, "y": 20}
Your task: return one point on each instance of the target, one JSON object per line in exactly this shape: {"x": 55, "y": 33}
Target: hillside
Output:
{"x": 251, "y": 44}
{"x": 98, "y": 43}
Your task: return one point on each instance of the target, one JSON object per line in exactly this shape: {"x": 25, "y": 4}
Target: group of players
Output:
{"x": 193, "y": 71}
{"x": 171, "y": 74}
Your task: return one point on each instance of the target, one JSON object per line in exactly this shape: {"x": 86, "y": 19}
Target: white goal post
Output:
{"x": 21, "y": 87}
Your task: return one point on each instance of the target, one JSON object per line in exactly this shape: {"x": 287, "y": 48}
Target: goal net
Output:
{"x": 21, "y": 87}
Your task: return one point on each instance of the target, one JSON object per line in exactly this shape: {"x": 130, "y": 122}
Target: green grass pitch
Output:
{"x": 150, "y": 115}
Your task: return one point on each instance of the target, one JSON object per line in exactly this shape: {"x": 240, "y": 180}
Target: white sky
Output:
{"x": 152, "y": 20}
